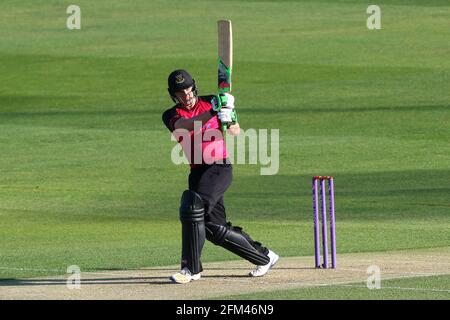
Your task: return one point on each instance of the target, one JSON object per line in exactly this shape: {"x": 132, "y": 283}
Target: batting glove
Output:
{"x": 225, "y": 115}
{"x": 224, "y": 100}
{"x": 216, "y": 104}
{"x": 227, "y": 100}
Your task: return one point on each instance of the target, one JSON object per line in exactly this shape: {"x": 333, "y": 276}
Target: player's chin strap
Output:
{"x": 174, "y": 98}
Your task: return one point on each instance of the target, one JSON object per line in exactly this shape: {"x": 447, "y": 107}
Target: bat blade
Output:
{"x": 225, "y": 47}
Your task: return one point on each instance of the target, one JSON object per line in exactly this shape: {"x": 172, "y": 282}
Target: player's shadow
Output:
{"x": 221, "y": 276}
{"x": 83, "y": 281}
{"x": 251, "y": 267}
{"x": 156, "y": 280}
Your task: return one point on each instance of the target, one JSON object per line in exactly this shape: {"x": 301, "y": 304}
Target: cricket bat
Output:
{"x": 225, "y": 47}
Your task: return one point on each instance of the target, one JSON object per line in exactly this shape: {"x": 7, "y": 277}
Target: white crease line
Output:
{"x": 300, "y": 284}
{"x": 387, "y": 271}
{"x": 348, "y": 284}
{"x": 345, "y": 284}
{"x": 398, "y": 288}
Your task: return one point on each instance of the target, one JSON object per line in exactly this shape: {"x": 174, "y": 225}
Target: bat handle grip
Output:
{"x": 224, "y": 128}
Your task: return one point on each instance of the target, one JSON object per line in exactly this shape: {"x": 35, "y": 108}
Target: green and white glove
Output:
{"x": 224, "y": 115}
{"x": 227, "y": 116}
{"x": 227, "y": 100}
{"x": 223, "y": 106}
{"x": 216, "y": 104}
{"x": 234, "y": 117}
{"x": 221, "y": 101}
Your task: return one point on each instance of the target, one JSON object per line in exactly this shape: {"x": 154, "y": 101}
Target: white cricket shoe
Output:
{"x": 184, "y": 276}
{"x": 262, "y": 270}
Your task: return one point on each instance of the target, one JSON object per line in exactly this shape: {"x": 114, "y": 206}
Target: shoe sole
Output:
{"x": 181, "y": 279}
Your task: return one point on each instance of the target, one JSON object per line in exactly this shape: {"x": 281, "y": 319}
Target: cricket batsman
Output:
{"x": 202, "y": 209}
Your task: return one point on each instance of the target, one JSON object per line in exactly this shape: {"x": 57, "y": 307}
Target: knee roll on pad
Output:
{"x": 193, "y": 230}
{"x": 232, "y": 239}
{"x": 215, "y": 233}
{"x": 191, "y": 208}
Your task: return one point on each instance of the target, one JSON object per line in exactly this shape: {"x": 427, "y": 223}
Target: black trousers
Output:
{"x": 211, "y": 182}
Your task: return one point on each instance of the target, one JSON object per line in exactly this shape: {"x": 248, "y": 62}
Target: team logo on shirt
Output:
{"x": 179, "y": 79}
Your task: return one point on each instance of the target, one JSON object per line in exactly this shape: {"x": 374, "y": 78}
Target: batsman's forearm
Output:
{"x": 188, "y": 124}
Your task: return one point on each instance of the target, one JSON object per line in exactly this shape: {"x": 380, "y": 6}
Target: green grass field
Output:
{"x": 420, "y": 288}
{"x": 85, "y": 171}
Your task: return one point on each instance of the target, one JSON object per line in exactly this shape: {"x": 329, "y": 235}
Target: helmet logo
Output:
{"x": 179, "y": 79}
